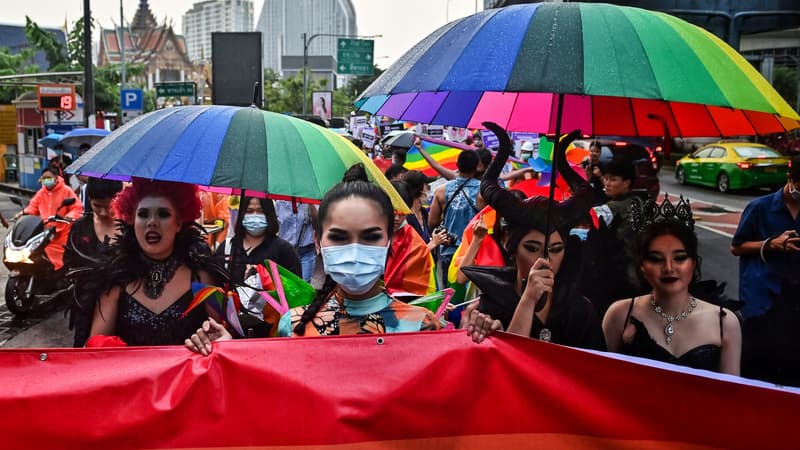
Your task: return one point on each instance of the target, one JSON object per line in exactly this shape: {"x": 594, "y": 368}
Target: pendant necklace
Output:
{"x": 159, "y": 273}
{"x": 669, "y": 329}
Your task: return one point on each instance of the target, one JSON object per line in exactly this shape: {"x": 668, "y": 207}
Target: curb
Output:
{"x": 14, "y": 189}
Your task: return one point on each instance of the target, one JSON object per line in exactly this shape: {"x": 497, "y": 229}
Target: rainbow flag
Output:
{"x": 409, "y": 268}
{"x": 444, "y": 152}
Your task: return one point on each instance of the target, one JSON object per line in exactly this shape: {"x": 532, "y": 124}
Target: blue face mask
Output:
{"x": 48, "y": 182}
{"x": 255, "y": 224}
{"x": 355, "y": 267}
{"x": 582, "y": 233}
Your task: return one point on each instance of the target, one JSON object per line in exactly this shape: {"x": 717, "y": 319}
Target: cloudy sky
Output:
{"x": 402, "y": 23}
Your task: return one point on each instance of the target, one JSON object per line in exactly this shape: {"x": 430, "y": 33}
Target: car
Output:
{"x": 733, "y": 165}
{"x": 645, "y": 160}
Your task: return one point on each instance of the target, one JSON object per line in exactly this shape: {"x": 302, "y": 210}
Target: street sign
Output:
{"x": 354, "y": 56}
{"x": 181, "y": 89}
{"x": 132, "y": 100}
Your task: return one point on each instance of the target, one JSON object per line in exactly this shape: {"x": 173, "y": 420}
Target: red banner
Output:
{"x": 423, "y": 390}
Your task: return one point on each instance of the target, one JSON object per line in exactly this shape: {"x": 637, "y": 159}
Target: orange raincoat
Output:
{"x": 45, "y": 204}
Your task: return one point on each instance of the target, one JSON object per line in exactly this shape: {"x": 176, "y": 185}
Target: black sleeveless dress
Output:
{"x": 705, "y": 356}
{"x": 137, "y": 325}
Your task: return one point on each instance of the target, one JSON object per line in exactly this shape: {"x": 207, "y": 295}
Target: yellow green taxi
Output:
{"x": 733, "y": 165}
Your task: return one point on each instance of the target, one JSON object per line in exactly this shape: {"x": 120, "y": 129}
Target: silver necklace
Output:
{"x": 669, "y": 329}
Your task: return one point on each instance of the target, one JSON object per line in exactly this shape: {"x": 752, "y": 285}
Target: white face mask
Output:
{"x": 794, "y": 192}
{"x": 355, "y": 267}
{"x": 255, "y": 224}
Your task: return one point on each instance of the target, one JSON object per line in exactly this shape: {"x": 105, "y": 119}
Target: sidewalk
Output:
{"x": 14, "y": 189}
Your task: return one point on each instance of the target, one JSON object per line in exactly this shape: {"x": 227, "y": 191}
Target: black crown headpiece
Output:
{"x": 645, "y": 213}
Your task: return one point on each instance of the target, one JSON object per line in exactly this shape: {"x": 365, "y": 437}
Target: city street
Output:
{"x": 716, "y": 214}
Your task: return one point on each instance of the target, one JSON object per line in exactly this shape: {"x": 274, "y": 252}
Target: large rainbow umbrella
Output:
{"x": 602, "y": 69}
{"x": 230, "y": 149}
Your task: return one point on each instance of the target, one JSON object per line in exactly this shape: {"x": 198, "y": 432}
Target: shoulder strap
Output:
{"x": 628, "y": 316}
{"x": 455, "y": 194}
{"x": 721, "y": 316}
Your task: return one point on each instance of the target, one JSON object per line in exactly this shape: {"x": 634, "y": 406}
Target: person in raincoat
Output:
{"x": 46, "y": 203}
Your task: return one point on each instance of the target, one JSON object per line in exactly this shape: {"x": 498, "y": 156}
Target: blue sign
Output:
{"x": 132, "y": 99}
{"x": 58, "y": 128}
{"x": 489, "y": 139}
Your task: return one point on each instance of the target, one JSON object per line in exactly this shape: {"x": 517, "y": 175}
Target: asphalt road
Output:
{"x": 717, "y": 261}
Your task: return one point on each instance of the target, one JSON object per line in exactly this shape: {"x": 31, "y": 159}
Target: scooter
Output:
{"x": 33, "y": 280}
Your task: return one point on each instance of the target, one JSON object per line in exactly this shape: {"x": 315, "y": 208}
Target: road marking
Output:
{"x": 713, "y": 230}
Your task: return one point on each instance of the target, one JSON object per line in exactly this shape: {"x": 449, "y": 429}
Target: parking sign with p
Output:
{"x": 132, "y": 100}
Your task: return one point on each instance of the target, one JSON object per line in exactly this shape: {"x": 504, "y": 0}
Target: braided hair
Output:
{"x": 343, "y": 191}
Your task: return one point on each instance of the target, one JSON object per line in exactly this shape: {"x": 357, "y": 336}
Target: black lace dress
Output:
{"x": 137, "y": 325}
{"x": 707, "y": 356}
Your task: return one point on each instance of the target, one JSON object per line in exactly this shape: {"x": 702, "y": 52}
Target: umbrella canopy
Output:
{"x": 402, "y": 139}
{"x": 618, "y": 70}
{"x": 51, "y": 140}
{"x": 79, "y": 136}
{"x": 230, "y": 149}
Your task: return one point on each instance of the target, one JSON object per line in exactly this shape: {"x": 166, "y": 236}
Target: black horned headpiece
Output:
{"x": 531, "y": 213}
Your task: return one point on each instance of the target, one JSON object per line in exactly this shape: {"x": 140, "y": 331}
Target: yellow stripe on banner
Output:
{"x": 551, "y": 441}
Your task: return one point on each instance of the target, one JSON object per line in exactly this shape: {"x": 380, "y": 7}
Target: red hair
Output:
{"x": 184, "y": 198}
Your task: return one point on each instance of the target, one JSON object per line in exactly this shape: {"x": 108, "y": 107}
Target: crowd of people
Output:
{"x": 601, "y": 270}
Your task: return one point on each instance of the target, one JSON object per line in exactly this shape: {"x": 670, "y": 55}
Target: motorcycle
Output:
{"x": 33, "y": 280}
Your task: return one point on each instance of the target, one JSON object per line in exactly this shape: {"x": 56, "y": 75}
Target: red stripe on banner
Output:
{"x": 417, "y": 390}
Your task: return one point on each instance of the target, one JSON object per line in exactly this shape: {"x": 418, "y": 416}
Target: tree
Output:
{"x": 14, "y": 64}
{"x": 785, "y": 82}
{"x": 360, "y": 83}
{"x": 46, "y": 42}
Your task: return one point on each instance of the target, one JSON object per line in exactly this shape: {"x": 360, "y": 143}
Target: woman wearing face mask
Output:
{"x": 535, "y": 294}
{"x": 256, "y": 239}
{"x": 145, "y": 279}
{"x": 356, "y": 226}
{"x": 47, "y": 203}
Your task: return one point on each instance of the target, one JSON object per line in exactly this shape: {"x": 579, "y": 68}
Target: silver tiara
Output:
{"x": 645, "y": 213}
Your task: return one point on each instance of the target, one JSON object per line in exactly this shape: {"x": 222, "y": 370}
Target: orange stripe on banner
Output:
{"x": 549, "y": 441}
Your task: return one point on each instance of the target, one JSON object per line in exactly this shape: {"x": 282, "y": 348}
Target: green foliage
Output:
{"x": 360, "y": 83}
{"x": 14, "y": 64}
{"x": 46, "y": 42}
{"x": 286, "y": 95}
{"x": 75, "y": 53}
{"x": 784, "y": 80}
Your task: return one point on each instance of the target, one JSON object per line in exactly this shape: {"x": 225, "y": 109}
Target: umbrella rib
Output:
{"x": 633, "y": 116}
{"x": 713, "y": 121}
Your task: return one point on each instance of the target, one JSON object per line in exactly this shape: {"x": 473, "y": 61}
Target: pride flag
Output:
{"x": 444, "y": 152}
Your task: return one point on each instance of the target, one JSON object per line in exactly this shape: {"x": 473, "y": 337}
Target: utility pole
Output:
{"x": 306, "y": 42}
{"x": 122, "y": 43}
{"x": 88, "y": 78}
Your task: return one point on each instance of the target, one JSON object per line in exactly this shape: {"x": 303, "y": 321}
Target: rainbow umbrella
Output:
{"x": 599, "y": 68}
{"x": 232, "y": 150}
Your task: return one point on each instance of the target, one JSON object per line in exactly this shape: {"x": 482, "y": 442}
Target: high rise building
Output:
{"x": 210, "y": 16}
{"x": 283, "y": 22}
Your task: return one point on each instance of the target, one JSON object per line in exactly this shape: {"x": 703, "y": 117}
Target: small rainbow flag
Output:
{"x": 444, "y": 152}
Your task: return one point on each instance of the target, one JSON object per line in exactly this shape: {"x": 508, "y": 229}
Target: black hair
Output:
{"x": 622, "y": 168}
{"x": 269, "y": 213}
{"x": 794, "y": 169}
{"x": 394, "y": 170}
{"x": 668, "y": 228}
{"x": 485, "y": 157}
{"x": 99, "y": 188}
{"x": 343, "y": 191}
{"x": 415, "y": 182}
{"x": 467, "y": 162}
{"x": 356, "y": 172}
{"x": 402, "y": 188}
